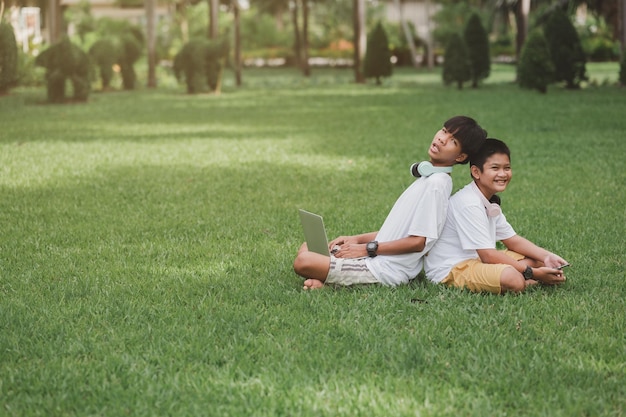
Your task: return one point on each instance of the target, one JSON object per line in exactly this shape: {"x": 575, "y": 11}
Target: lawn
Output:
{"x": 147, "y": 242}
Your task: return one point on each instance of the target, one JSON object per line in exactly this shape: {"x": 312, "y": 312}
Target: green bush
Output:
{"x": 535, "y": 69}
{"x": 8, "y": 58}
{"x": 200, "y": 64}
{"x": 503, "y": 45}
{"x": 456, "y": 64}
{"x": 377, "y": 62}
{"x": 565, "y": 49}
{"x": 104, "y": 55}
{"x": 596, "y": 38}
{"x": 477, "y": 44}
{"x": 28, "y": 73}
{"x": 132, "y": 43}
{"x": 128, "y": 45}
{"x": 63, "y": 62}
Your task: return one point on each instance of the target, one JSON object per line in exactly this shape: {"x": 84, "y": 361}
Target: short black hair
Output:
{"x": 468, "y": 132}
{"x": 490, "y": 147}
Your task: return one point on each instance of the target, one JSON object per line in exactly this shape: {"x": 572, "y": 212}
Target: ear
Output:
{"x": 475, "y": 171}
{"x": 461, "y": 158}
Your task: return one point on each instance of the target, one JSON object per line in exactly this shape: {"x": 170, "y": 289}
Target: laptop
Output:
{"x": 314, "y": 232}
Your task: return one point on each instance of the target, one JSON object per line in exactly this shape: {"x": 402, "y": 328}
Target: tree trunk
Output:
{"x": 54, "y": 20}
{"x": 521, "y": 20}
{"x": 305, "y": 38}
{"x": 357, "y": 21}
{"x": 407, "y": 34}
{"x": 622, "y": 24}
{"x": 183, "y": 22}
{"x": 430, "y": 51}
{"x": 296, "y": 33}
{"x": 151, "y": 40}
{"x": 213, "y": 21}
{"x": 237, "y": 24}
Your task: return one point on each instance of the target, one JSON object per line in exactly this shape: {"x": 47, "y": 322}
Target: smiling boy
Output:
{"x": 465, "y": 255}
{"x": 393, "y": 255}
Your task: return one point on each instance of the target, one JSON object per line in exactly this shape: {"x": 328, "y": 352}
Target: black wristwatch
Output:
{"x": 372, "y": 248}
{"x": 528, "y": 273}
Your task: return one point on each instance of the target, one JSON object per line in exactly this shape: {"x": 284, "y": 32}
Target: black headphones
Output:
{"x": 426, "y": 169}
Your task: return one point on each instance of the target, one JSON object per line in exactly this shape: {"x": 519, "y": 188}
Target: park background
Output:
{"x": 148, "y": 236}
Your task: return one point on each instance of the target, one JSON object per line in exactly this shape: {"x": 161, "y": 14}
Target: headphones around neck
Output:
{"x": 492, "y": 206}
{"x": 426, "y": 169}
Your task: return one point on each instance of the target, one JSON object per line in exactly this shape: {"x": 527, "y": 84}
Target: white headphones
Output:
{"x": 426, "y": 169}
{"x": 492, "y": 206}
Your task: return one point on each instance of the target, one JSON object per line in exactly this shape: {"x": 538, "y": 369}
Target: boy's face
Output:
{"x": 445, "y": 149}
{"x": 495, "y": 175}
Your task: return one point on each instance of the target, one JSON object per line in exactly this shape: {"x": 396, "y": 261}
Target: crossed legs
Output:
{"x": 311, "y": 266}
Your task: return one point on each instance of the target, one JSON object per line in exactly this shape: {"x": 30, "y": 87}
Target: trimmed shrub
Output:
{"x": 132, "y": 43}
{"x": 535, "y": 69}
{"x": 456, "y": 64}
{"x": 104, "y": 55}
{"x": 8, "y": 58}
{"x": 63, "y": 62}
{"x": 566, "y": 50}
{"x": 477, "y": 44}
{"x": 120, "y": 42}
{"x": 200, "y": 64}
{"x": 377, "y": 62}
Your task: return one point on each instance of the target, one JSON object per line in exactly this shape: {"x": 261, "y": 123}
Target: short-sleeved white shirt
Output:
{"x": 419, "y": 211}
{"x": 467, "y": 229}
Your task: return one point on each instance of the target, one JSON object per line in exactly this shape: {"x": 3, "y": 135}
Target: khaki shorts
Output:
{"x": 349, "y": 271}
{"x": 477, "y": 276}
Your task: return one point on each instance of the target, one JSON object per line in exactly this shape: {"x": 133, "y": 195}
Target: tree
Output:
{"x": 408, "y": 33}
{"x": 456, "y": 66}
{"x": 477, "y": 44}
{"x": 214, "y": 8}
{"x": 565, "y": 49}
{"x": 297, "y": 42}
{"x": 535, "y": 69}
{"x": 377, "y": 56}
{"x": 306, "y": 69}
{"x": 8, "y": 57}
{"x": 150, "y": 6}
{"x": 200, "y": 63}
{"x": 237, "y": 53}
{"x": 358, "y": 17}
{"x": 522, "y": 11}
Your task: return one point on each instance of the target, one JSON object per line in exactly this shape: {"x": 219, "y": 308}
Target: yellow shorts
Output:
{"x": 477, "y": 276}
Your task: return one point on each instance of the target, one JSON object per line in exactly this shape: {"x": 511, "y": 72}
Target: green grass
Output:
{"x": 147, "y": 241}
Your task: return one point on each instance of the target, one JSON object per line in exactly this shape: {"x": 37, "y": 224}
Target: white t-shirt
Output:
{"x": 467, "y": 229}
{"x": 419, "y": 211}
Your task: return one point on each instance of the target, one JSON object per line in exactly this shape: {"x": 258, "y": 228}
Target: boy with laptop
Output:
{"x": 393, "y": 255}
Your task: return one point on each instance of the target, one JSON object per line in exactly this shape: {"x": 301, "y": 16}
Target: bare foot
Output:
{"x": 531, "y": 282}
{"x": 312, "y": 284}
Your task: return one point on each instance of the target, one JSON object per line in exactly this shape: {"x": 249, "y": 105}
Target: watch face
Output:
{"x": 371, "y": 247}
{"x": 528, "y": 273}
